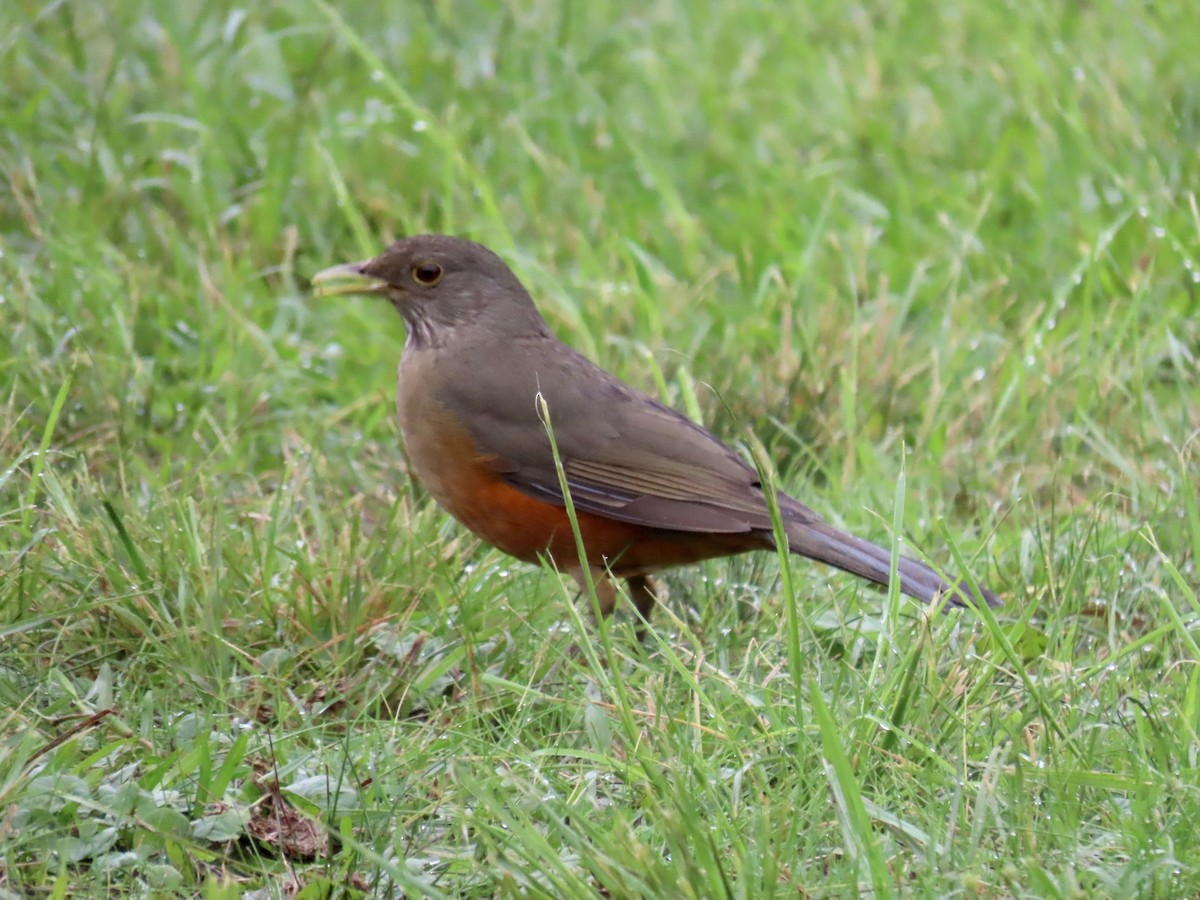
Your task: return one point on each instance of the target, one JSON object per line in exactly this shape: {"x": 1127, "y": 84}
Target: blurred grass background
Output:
{"x": 940, "y": 261}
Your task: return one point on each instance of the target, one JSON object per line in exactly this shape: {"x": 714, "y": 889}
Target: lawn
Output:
{"x": 938, "y": 263}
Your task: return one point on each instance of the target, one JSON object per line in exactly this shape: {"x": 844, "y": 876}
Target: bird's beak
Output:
{"x": 347, "y": 278}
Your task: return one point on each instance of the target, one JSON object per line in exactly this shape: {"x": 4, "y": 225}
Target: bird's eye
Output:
{"x": 427, "y": 273}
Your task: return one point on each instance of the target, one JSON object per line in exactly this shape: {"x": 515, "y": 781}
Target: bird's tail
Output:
{"x": 826, "y": 544}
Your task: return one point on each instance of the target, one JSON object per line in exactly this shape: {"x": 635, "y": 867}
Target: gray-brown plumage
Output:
{"x": 651, "y": 488}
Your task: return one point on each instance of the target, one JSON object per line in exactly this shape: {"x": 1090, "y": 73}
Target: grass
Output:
{"x": 942, "y": 264}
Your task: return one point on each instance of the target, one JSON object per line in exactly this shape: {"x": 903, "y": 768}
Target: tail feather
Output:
{"x": 826, "y": 544}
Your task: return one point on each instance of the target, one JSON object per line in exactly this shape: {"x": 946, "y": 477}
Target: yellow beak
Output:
{"x": 347, "y": 278}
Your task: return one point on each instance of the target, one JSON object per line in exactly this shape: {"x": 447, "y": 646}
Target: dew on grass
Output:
{"x": 1159, "y": 231}
{"x": 420, "y": 125}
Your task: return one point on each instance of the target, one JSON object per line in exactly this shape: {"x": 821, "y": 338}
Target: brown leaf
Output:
{"x": 278, "y": 824}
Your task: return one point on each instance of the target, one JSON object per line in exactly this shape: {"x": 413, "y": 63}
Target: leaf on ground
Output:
{"x": 278, "y": 824}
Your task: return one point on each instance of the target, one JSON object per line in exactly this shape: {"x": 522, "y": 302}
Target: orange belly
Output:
{"x": 528, "y": 528}
{"x": 467, "y": 485}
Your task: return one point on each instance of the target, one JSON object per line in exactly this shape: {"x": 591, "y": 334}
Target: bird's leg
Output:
{"x": 606, "y": 591}
{"x": 644, "y": 595}
{"x": 642, "y": 591}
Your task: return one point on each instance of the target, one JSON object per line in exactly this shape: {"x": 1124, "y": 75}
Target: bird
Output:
{"x": 482, "y": 384}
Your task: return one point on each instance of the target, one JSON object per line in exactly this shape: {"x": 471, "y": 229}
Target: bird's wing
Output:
{"x": 625, "y": 455}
